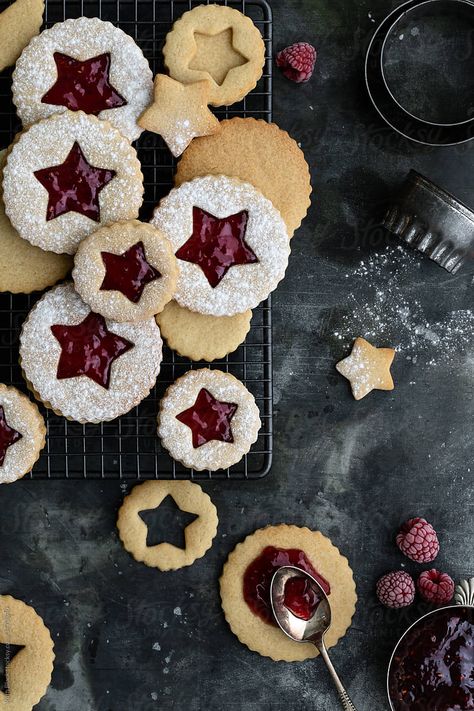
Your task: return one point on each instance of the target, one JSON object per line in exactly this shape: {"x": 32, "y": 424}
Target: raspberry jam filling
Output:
{"x": 433, "y": 667}
{"x": 258, "y": 578}
{"x": 217, "y": 244}
{"x": 89, "y": 349}
{"x": 74, "y": 186}
{"x": 301, "y": 598}
{"x": 8, "y": 436}
{"x": 209, "y": 419}
{"x": 128, "y": 273}
{"x": 83, "y": 86}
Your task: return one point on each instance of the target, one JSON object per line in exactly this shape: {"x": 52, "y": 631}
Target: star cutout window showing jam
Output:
{"x": 74, "y": 186}
{"x": 208, "y": 47}
{"x": 7, "y": 654}
{"x": 217, "y": 244}
{"x": 83, "y": 86}
{"x": 209, "y": 419}
{"x": 258, "y": 578}
{"x": 129, "y": 272}
{"x": 8, "y": 436}
{"x": 167, "y": 524}
{"x": 89, "y": 349}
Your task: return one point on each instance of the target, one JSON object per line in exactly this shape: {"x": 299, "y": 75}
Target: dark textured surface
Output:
{"x": 129, "y": 638}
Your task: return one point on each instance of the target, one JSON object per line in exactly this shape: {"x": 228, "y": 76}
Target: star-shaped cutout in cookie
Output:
{"x": 129, "y": 272}
{"x": 83, "y": 86}
{"x": 367, "y": 368}
{"x": 89, "y": 348}
{"x": 179, "y": 112}
{"x": 167, "y": 523}
{"x": 8, "y": 436}
{"x": 217, "y": 244}
{"x": 211, "y": 51}
{"x": 7, "y": 653}
{"x": 74, "y": 186}
{"x": 209, "y": 419}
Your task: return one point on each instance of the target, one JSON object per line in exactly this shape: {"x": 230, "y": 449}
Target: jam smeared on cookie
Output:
{"x": 83, "y": 86}
{"x": 128, "y": 273}
{"x": 217, "y": 244}
{"x": 301, "y": 598}
{"x": 89, "y": 349}
{"x": 8, "y": 653}
{"x": 8, "y": 436}
{"x": 209, "y": 419}
{"x": 433, "y": 667}
{"x": 258, "y": 578}
{"x": 74, "y": 186}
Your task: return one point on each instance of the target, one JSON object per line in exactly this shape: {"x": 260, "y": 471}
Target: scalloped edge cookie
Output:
{"x": 261, "y": 637}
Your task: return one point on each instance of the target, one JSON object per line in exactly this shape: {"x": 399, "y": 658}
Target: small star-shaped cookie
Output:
{"x": 179, "y": 112}
{"x": 367, "y": 368}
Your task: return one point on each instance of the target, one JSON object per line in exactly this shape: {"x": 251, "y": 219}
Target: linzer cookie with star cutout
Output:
{"x": 84, "y": 64}
{"x": 83, "y": 366}
{"x": 22, "y": 434}
{"x": 231, "y": 243}
{"x": 66, "y": 176}
{"x": 126, "y": 271}
{"x": 208, "y": 420}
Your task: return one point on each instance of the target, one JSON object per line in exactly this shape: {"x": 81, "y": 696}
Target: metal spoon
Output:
{"x": 312, "y": 630}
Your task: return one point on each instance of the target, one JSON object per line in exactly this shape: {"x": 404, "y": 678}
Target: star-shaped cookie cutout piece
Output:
{"x": 367, "y": 368}
{"x": 216, "y": 55}
{"x": 179, "y": 112}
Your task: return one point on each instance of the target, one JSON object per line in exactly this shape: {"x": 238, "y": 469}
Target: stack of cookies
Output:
{"x": 215, "y": 247}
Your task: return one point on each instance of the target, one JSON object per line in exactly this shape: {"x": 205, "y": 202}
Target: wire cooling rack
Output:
{"x": 128, "y": 447}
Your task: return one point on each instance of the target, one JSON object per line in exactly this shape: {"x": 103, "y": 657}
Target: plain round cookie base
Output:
{"x": 201, "y": 337}
{"x": 259, "y": 153}
{"x": 261, "y": 637}
{"x": 199, "y": 534}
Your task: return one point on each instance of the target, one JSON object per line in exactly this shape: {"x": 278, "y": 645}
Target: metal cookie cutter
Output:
{"x": 433, "y": 221}
{"x": 393, "y": 113}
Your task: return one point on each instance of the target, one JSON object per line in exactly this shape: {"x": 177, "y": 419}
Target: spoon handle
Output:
{"x": 346, "y": 703}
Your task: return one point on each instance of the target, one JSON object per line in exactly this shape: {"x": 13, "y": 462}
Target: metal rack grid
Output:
{"x": 128, "y": 448}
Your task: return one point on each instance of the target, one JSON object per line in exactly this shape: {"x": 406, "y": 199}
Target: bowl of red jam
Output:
{"x": 432, "y": 666}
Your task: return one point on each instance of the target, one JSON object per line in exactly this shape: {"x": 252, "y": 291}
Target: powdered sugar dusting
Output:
{"x": 176, "y": 437}
{"x": 47, "y": 144}
{"x": 133, "y": 374}
{"x": 396, "y": 315}
{"x": 244, "y": 286}
{"x": 24, "y": 417}
{"x": 84, "y": 38}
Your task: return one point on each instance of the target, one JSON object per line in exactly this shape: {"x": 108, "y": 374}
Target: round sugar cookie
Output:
{"x": 31, "y": 269}
{"x": 83, "y": 64}
{"x": 219, "y": 44}
{"x": 259, "y": 153}
{"x": 66, "y": 176}
{"x": 30, "y": 655}
{"x": 201, "y": 337}
{"x": 267, "y": 639}
{"x": 198, "y": 535}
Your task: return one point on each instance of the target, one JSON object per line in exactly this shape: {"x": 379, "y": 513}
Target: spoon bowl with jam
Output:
{"x": 302, "y": 611}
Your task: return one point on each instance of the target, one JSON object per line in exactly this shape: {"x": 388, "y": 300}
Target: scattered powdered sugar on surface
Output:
{"x": 133, "y": 373}
{"x": 47, "y": 143}
{"x": 244, "y": 286}
{"x": 395, "y": 312}
{"x": 176, "y": 437}
{"x": 24, "y": 417}
{"x": 84, "y": 38}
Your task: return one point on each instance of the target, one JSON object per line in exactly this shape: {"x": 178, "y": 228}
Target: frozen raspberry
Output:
{"x": 435, "y": 587}
{"x": 396, "y": 589}
{"x": 418, "y": 540}
{"x": 297, "y": 61}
